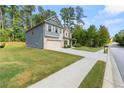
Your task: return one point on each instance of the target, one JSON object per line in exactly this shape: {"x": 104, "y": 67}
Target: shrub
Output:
{"x": 120, "y": 38}
{"x": 2, "y": 45}
{"x": 67, "y": 46}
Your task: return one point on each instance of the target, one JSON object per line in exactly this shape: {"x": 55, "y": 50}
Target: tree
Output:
{"x": 68, "y": 16}
{"x": 79, "y": 34}
{"x": 19, "y": 20}
{"x": 119, "y": 37}
{"x": 2, "y": 15}
{"x": 104, "y": 35}
{"x": 42, "y": 15}
{"x": 79, "y": 15}
{"x": 28, "y": 10}
{"x": 14, "y": 22}
{"x": 48, "y": 13}
{"x": 96, "y": 40}
{"x": 40, "y": 9}
{"x": 3, "y": 35}
{"x": 116, "y": 38}
{"x": 91, "y": 36}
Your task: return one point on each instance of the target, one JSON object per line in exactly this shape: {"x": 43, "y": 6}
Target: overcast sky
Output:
{"x": 110, "y": 16}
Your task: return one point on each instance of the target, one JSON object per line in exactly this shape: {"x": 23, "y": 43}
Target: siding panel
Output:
{"x": 52, "y": 32}
{"x": 34, "y": 38}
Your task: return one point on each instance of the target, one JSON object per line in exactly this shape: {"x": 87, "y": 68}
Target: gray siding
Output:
{"x": 34, "y": 38}
{"x": 54, "y": 21}
{"x": 52, "y": 33}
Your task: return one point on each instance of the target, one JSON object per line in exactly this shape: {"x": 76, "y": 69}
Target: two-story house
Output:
{"x": 67, "y": 36}
{"x": 48, "y": 34}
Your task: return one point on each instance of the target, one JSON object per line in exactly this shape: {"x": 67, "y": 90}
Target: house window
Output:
{"x": 60, "y": 31}
{"x": 65, "y": 42}
{"x": 66, "y": 34}
{"x": 49, "y": 28}
{"x": 56, "y": 30}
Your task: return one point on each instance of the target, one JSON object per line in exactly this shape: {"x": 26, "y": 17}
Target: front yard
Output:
{"x": 21, "y": 66}
{"x": 89, "y": 49}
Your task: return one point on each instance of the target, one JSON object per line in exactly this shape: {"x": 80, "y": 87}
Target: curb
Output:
{"x": 112, "y": 77}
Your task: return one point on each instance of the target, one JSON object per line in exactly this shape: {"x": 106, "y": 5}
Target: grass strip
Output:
{"x": 94, "y": 79}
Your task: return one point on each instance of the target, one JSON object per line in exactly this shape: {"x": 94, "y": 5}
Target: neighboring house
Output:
{"x": 48, "y": 34}
{"x": 67, "y": 36}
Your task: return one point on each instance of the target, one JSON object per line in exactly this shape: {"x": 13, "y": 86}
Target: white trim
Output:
{"x": 53, "y": 39}
{"x": 51, "y": 36}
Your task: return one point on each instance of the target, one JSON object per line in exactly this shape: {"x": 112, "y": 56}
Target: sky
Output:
{"x": 110, "y": 16}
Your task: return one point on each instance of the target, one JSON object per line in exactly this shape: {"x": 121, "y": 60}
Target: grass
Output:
{"x": 21, "y": 66}
{"x": 94, "y": 79}
{"x": 89, "y": 49}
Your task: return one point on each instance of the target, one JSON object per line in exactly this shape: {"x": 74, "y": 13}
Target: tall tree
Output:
{"x": 28, "y": 10}
{"x": 79, "y": 15}
{"x": 14, "y": 16}
{"x": 42, "y": 15}
{"x": 2, "y": 15}
{"x": 68, "y": 16}
{"x": 48, "y": 13}
{"x": 91, "y": 34}
{"x": 119, "y": 37}
{"x": 79, "y": 34}
{"x": 104, "y": 35}
{"x": 40, "y": 9}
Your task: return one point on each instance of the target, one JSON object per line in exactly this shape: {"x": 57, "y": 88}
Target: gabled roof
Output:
{"x": 54, "y": 18}
{"x": 34, "y": 27}
{"x": 66, "y": 29}
{"x": 48, "y": 20}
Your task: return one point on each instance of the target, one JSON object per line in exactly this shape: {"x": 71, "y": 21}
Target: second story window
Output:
{"x": 49, "y": 28}
{"x": 66, "y": 34}
{"x": 56, "y": 30}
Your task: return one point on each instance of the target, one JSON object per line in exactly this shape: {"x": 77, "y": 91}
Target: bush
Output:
{"x": 2, "y": 45}
{"x": 122, "y": 41}
{"x": 120, "y": 38}
{"x": 77, "y": 45}
{"x": 3, "y": 35}
{"x": 67, "y": 46}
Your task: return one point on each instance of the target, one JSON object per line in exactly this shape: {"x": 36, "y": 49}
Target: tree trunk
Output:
{"x": 1, "y": 19}
{"x": 31, "y": 20}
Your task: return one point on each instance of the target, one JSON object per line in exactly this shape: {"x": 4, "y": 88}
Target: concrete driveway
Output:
{"x": 93, "y": 55}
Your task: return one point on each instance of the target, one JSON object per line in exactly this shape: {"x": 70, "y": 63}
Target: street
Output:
{"x": 118, "y": 54}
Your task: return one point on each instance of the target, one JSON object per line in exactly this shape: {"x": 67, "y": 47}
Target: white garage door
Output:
{"x": 52, "y": 44}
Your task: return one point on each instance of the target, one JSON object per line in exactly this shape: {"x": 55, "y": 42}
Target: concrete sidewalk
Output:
{"x": 69, "y": 77}
{"x": 93, "y": 55}
{"x": 101, "y": 51}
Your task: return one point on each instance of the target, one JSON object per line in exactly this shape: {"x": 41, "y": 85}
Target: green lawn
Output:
{"x": 21, "y": 66}
{"x": 94, "y": 79}
{"x": 90, "y": 49}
